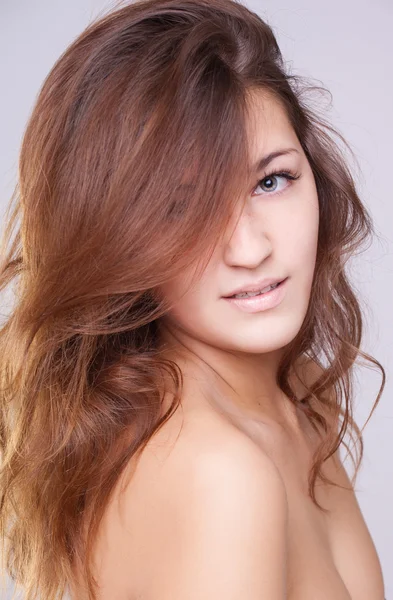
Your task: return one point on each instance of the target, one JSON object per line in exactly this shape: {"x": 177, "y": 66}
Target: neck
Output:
{"x": 234, "y": 382}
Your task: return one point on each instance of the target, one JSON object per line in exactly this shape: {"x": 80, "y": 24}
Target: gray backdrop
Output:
{"x": 347, "y": 46}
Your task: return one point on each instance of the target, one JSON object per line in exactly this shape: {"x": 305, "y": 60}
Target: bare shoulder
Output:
{"x": 211, "y": 519}
{"x": 219, "y": 453}
{"x": 210, "y": 449}
{"x": 225, "y": 511}
{"x": 207, "y": 454}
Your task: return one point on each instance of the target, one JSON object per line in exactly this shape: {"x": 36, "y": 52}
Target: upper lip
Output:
{"x": 257, "y": 286}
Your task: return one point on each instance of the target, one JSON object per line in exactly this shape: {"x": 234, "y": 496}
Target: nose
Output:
{"x": 248, "y": 245}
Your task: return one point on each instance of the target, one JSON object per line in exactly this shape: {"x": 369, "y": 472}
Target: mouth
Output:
{"x": 244, "y": 295}
{"x": 259, "y": 302}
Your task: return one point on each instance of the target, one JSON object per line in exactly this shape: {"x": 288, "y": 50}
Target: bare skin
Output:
{"x": 329, "y": 557}
{"x": 218, "y": 506}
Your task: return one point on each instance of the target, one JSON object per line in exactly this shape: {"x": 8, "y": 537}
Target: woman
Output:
{"x": 170, "y": 423}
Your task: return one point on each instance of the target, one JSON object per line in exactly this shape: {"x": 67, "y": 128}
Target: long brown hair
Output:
{"x": 132, "y": 164}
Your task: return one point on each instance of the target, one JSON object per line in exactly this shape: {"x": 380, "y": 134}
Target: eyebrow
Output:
{"x": 265, "y": 160}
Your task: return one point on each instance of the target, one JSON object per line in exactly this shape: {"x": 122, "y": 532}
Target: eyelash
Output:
{"x": 288, "y": 175}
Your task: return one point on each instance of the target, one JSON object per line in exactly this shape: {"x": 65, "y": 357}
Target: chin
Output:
{"x": 265, "y": 338}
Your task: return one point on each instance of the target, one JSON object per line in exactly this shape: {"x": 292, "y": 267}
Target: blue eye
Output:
{"x": 269, "y": 181}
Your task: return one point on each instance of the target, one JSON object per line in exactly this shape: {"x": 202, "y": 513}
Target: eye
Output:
{"x": 268, "y": 183}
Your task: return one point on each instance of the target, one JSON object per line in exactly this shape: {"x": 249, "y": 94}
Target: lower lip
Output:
{"x": 254, "y": 304}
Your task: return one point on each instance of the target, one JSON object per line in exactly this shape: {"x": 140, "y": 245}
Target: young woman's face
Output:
{"x": 275, "y": 237}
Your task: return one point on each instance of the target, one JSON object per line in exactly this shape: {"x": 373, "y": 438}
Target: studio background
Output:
{"x": 347, "y": 48}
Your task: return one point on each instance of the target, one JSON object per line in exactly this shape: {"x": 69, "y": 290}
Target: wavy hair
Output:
{"x": 106, "y": 209}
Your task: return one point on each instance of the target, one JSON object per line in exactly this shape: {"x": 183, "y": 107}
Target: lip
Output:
{"x": 255, "y": 287}
{"x": 255, "y": 304}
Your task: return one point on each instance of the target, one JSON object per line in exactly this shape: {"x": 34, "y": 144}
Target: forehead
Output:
{"x": 268, "y": 125}
{"x": 268, "y": 130}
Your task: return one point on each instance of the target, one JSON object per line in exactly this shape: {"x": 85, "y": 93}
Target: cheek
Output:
{"x": 186, "y": 302}
{"x": 192, "y": 314}
{"x": 299, "y": 232}
{"x": 195, "y": 312}
{"x": 191, "y": 293}
{"x": 177, "y": 289}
